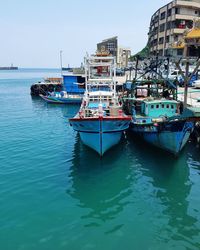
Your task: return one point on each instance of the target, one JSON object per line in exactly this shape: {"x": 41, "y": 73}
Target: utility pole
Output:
{"x": 186, "y": 83}
{"x": 136, "y": 66}
{"x": 61, "y": 62}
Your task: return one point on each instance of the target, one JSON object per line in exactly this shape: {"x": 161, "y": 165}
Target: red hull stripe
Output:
{"x": 128, "y": 118}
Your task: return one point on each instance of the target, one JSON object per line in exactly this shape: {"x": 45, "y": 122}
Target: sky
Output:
{"x": 33, "y": 32}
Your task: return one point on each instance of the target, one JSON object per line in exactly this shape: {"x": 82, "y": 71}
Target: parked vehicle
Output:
{"x": 177, "y": 78}
{"x": 120, "y": 72}
{"x": 191, "y": 83}
{"x": 175, "y": 75}
{"x": 197, "y": 84}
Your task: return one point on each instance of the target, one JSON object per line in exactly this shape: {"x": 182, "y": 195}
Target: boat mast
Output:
{"x": 86, "y": 72}
{"x": 114, "y": 77}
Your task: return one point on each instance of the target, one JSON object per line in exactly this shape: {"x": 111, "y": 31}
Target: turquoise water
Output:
{"x": 57, "y": 194}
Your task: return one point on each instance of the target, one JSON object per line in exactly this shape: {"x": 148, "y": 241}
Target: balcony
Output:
{"x": 178, "y": 30}
{"x": 193, "y": 4}
{"x": 185, "y": 16}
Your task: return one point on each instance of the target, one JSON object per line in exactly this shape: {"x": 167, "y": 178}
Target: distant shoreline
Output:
{"x": 9, "y": 68}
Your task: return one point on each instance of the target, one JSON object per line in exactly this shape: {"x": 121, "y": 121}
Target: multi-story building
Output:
{"x": 110, "y": 45}
{"x": 168, "y": 25}
{"x": 123, "y": 57}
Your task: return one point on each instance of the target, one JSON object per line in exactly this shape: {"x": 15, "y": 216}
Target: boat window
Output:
{"x": 157, "y": 106}
{"x": 167, "y": 106}
{"x": 163, "y": 106}
{"x": 172, "y": 106}
{"x": 143, "y": 121}
{"x": 152, "y": 106}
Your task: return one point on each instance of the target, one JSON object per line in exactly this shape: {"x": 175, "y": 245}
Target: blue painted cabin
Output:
{"x": 158, "y": 108}
{"x": 149, "y": 110}
{"x": 74, "y": 84}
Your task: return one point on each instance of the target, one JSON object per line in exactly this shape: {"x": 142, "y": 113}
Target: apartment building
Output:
{"x": 123, "y": 57}
{"x": 168, "y": 25}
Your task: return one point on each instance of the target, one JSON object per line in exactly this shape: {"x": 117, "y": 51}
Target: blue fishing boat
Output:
{"x": 100, "y": 120}
{"x": 160, "y": 123}
{"x": 71, "y": 93}
{"x": 158, "y": 117}
{"x": 62, "y": 98}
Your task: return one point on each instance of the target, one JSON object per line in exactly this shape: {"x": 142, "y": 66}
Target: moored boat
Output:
{"x": 160, "y": 119}
{"x": 62, "y": 98}
{"x": 100, "y": 120}
{"x": 159, "y": 123}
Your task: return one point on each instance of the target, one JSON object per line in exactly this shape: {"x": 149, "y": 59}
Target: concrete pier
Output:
{"x": 48, "y": 85}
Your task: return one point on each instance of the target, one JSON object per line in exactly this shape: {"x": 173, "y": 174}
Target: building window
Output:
{"x": 167, "y": 39}
{"x": 110, "y": 46}
{"x": 176, "y": 38}
{"x": 169, "y": 12}
{"x": 177, "y": 11}
{"x": 156, "y": 19}
{"x": 161, "y": 40}
{"x": 179, "y": 52}
{"x": 167, "y": 52}
{"x": 162, "y": 27}
{"x": 160, "y": 52}
{"x": 189, "y": 24}
{"x": 162, "y": 16}
{"x": 168, "y": 25}
{"x": 173, "y": 25}
{"x": 152, "y": 106}
{"x": 157, "y": 106}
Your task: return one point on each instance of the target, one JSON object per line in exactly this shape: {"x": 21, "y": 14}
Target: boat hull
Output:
{"x": 100, "y": 134}
{"x": 58, "y": 100}
{"x": 171, "y": 136}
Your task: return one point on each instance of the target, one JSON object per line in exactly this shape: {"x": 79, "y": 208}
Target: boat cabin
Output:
{"x": 101, "y": 102}
{"x": 103, "y": 97}
{"x": 157, "y": 108}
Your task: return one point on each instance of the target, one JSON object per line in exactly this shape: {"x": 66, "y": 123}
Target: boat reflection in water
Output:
{"x": 138, "y": 193}
{"x": 172, "y": 195}
{"x": 93, "y": 185}
{"x": 60, "y": 111}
